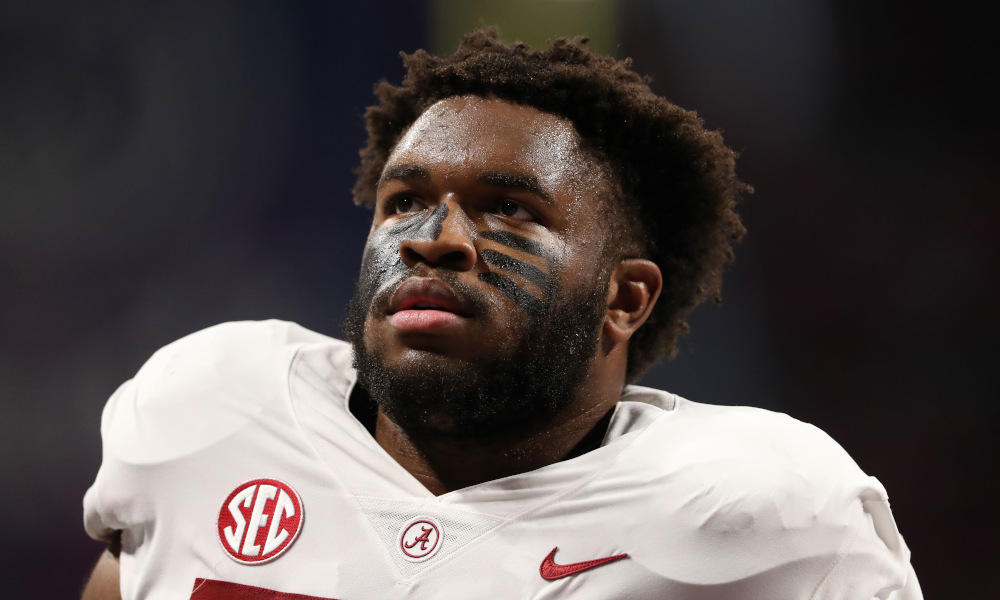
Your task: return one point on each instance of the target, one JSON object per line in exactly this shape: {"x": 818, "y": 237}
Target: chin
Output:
{"x": 490, "y": 377}
{"x": 471, "y": 344}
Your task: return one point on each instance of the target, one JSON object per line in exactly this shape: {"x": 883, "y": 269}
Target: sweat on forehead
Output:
{"x": 462, "y": 125}
{"x": 532, "y": 145}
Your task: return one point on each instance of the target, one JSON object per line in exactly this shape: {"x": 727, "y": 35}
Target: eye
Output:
{"x": 513, "y": 210}
{"x": 406, "y": 204}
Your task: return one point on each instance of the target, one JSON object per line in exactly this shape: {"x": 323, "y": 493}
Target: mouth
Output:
{"x": 427, "y": 293}
{"x": 425, "y": 304}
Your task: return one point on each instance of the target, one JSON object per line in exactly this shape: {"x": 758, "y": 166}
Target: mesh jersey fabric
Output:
{"x": 706, "y": 501}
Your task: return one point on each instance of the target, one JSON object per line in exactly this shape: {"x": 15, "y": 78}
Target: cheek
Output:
{"x": 381, "y": 262}
{"x": 582, "y": 255}
{"x": 584, "y": 273}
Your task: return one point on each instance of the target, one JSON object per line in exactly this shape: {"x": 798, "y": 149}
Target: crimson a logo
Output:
{"x": 420, "y": 539}
{"x": 259, "y": 521}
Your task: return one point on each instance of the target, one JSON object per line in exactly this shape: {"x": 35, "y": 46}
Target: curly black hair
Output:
{"x": 678, "y": 188}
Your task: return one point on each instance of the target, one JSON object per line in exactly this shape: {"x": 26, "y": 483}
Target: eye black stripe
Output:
{"x": 514, "y": 241}
{"x": 531, "y": 305}
{"x": 526, "y": 270}
{"x": 436, "y": 221}
{"x": 404, "y": 225}
{"x": 426, "y": 227}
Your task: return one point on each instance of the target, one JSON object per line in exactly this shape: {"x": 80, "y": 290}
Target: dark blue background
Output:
{"x": 163, "y": 169}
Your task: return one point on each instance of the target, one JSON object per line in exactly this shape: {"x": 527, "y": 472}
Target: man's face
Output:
{"x": 484, "y": 276}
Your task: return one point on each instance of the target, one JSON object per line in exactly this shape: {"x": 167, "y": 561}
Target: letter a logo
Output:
{"x": 420, "y": 539}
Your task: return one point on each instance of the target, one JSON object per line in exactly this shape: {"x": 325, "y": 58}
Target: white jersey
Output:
{"x": 234, "y": 469}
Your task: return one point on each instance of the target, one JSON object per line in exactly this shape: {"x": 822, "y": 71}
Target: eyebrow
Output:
{"x": 404, "y": 171}
{"x": 517, "y": 181}
{"x": 497, "y": 179}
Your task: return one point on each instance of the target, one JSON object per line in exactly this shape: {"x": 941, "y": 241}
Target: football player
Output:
{"x": 543, "y": 223}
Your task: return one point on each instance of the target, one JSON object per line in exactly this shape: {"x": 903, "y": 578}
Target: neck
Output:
{"x": 443, "y": 463}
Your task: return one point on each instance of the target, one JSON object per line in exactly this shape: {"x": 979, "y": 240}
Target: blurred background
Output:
{"x": 165, "y": 167}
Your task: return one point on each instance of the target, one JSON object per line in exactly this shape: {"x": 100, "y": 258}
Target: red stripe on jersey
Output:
{"x": 210, "y": 589}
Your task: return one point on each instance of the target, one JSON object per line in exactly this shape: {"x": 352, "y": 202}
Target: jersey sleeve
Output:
{"x": 100, "y": 506}
{"x": 867, "y": 557}
{"x": 876, "y": 563}
{"x": 761, "y": 505}
{"x": 189, "y": 395}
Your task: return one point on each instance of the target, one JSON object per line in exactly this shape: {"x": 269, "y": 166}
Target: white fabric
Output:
{"x": 708, "y": 502}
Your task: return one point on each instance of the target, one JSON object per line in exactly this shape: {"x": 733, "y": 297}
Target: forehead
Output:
{"x": 472, "y": 133}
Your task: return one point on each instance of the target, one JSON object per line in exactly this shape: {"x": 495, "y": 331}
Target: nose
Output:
{"x": 446, "y": 240}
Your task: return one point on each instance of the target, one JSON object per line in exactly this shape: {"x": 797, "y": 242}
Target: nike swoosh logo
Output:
{"x": 551, "y": 571}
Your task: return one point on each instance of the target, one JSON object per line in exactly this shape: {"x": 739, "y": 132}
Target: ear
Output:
{"x": 634, "y": 287}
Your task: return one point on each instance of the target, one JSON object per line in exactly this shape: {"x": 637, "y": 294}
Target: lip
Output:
{"x": 427, "y": 293}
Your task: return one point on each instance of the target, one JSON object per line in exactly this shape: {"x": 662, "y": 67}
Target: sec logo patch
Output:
{"x": 259, "y": 521}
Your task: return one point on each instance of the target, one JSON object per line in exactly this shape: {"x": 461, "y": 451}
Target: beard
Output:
{"x": 503, "y": 396}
